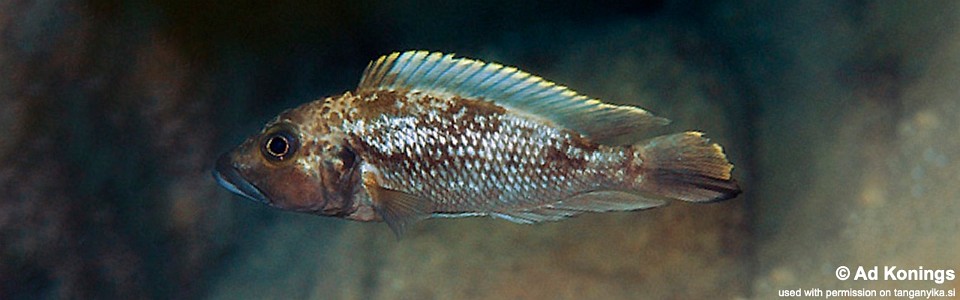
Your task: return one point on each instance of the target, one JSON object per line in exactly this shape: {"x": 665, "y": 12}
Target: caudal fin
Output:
{"x": 686, "y": 166}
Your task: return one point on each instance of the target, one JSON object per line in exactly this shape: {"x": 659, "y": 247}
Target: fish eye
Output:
{"x": 279, "y": 145}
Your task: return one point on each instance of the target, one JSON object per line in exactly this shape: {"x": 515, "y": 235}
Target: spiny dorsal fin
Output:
{"x": 509, "y": 87}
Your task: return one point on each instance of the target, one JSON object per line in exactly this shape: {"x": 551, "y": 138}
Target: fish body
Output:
{"x": 429, "y": 135}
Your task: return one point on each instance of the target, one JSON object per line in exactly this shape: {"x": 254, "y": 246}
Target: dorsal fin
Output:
{"x": 440, "y": 74}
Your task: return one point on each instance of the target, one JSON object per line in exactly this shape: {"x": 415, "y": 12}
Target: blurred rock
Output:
{"x": 105, "y": 154}
{"x": 856, "y": 157}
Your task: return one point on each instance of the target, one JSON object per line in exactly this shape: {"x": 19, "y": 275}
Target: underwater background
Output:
{"x": 842, "y": 118}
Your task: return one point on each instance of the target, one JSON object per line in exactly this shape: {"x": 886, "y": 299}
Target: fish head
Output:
{"x": 294, "y": 163}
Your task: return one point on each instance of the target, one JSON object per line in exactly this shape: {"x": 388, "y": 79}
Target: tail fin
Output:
{"x": 686, "y": 166}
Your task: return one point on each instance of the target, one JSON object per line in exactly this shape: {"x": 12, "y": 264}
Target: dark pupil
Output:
{"x": 277, "y": 146}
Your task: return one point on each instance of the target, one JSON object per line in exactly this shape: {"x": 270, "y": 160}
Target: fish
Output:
{"x": 431, "y": 135}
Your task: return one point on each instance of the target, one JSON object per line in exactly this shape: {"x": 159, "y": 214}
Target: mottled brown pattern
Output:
{"x": 372, "y": 104}
{"x": 376, "y": 103}
{"x": 632, "y": 164}
{"x": 576, "y": 140}
{"x": 343, "y": 177}
{"x": 362, "y": 146}
{"x": 475, "y": 156}
{"x": 474, "y": 107}
{"x": 558, "y": 156}
{"x": 330, "y": 110}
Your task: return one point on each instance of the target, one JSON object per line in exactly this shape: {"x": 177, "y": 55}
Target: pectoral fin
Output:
{"x": 397, "y": 208}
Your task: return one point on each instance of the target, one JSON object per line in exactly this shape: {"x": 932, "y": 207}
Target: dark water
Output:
{"x": 840, "y": 116}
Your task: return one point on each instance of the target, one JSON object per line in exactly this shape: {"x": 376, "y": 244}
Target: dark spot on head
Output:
{"x": 347, "y": 157}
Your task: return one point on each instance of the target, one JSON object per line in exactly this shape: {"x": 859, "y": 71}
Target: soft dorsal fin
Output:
{"x": 509, "y": 87}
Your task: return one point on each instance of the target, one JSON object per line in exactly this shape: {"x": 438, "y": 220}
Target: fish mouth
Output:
{"x": 229, "y": 177}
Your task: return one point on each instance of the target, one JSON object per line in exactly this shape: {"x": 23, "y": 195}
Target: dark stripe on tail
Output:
{"x": 686, "y": 166}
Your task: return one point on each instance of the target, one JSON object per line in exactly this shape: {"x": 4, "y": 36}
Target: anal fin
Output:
{"x": 536, "y": 215}
{"x": 608, "y": 200}
{"x": 595, "y": 201}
